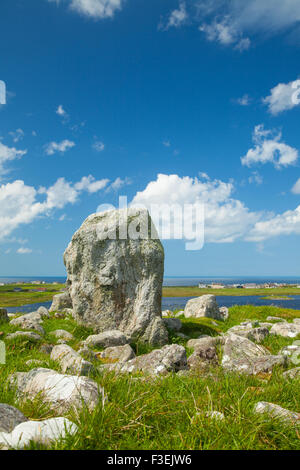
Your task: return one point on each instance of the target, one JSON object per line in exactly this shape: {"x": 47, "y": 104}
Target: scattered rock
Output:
{"x": 258, "y": 334}
{"x": 62, "y": 334}
{"x": 292, "y": 352}
{"x": 30, "y": 321}
{"x": 224, "y": 313}
{"x": 106, "y": 339}
{"x": 115, "y": 280}
{"x": 3, "y": 315}
{"x": 60, "y": 315}
{"x": 10, "y": 417}
{"x": 203, "y": 358}
{"x": 43, "y": 312}
{"x": 275, "y": 411}
{"x": 42, "y": 432}
{"x": 242, "y": 355}
{"x": 292, "y": 373}
{"x": 166, "y": 313}
{"x": 46, "y": 348}
{"x": 205, "y": 342}
{"x": 287, "y": 330}
{"x": 204, "y": 306}
{"x": 61, "y": 302}
{"x": 279, "y": 319}
{"x": 170, "y": 358}
{"x": 173, "y": 324}
{"x": 70, "y": 361}
{"x": 61, "y": 392}
{"x": 29, "y": 335}
{"x": 117, "y": 353}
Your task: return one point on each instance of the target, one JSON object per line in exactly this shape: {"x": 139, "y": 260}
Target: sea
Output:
{"x": 179, "y": 302}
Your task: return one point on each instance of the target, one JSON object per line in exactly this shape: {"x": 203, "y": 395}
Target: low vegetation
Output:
{"x": 193, "y": 291}
{"x": 15, "y": 295}
{"x": 169, "y": 413}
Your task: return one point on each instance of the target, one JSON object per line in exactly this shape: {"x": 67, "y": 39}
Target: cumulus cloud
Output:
{"x": 96, "y": 9}
{"x": 89, "y": 184}
{"x": 287, "y": 223}
{"x": 244, "y": 100}
{"x": 269, "y": 149}
{"x": 230, "y": 22}
{"x": 61, "y": 147}
{"x": 283, "y": 97}
{"x": 226, "y": 219}
{"x": 21, "y": 204}
{"x": 226, "y": 34}
{"x": 9, "y": 154}
{"x": 118, "y": 184}
{"x": 177, "y": 17}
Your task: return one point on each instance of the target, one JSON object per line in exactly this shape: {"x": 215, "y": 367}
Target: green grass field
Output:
{"x": 146, "y": 413}
{"x": 191, "y": 291}
{"x": 9, "y": 298}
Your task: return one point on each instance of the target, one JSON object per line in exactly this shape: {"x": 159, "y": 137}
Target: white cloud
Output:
{"x": 228, "y": 20}
{"x": 98, "y": 146}
{"x": 96, "y": 9}
{"x": 17, "y": 135}
{"x": 287, "y": 223}
{"x": 177, "y": 17}
{"x": 88, "y": 183}
{"x": 256, "y": 178}
{"x": 60, "y": 111}
{"x": 269, "y": 149}
{"x": 24, "y": 251}
{"x": 118, "y": 184}
{"x": 226, "y": 34}
{"x": 167, "y": 143}
{"x": 9, "y": 154}
{"x": 226, "y": 219}
{"x": 283, "y": 97}
{"x": 21, "y": 204}
{"x": 244, "y": 100}
{"x": 296, "y": 187}
{"x": 61, "y": 147}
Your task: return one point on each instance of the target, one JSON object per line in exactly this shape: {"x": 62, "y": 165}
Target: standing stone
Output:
{"x": 115, "y": 274}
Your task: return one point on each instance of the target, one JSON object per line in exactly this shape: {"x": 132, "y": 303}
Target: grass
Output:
{"x": 157, "y": 413}
{"x": 193, "y": 291}
{"x": 9, "y": 298}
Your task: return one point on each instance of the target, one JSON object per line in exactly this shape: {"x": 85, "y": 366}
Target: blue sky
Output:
{"x": 183, "y": 101}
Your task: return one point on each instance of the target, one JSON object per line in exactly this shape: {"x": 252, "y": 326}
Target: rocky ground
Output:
{"x": 226, "y": 383}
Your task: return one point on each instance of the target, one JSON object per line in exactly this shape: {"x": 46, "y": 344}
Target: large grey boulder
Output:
{"x": 10, "y": 417}
{"x": 61, "y": 392}
{"x": 70, "y": 361}
{"x": 41, "y": 432}
{"x": 30, "y": 321}
{"x": 62, "y": 334}
{"x": 205, "y": 306}
{"x": 26, "y": 335}
{"x": 292, "y": 374}
{"x": 117, "y": 354}
{"x": 116, "y": 282}
{"x": 205, "y": 342}
{"x": 247, "y": 331}
{"x": 242, "y": 355}
{"x": 106, "y": 339}
{"x": 277, "y": 412}
{"x": 171, "y": 358}
{"x": 285, "y": 329}
{"x": 61, "y": 302}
